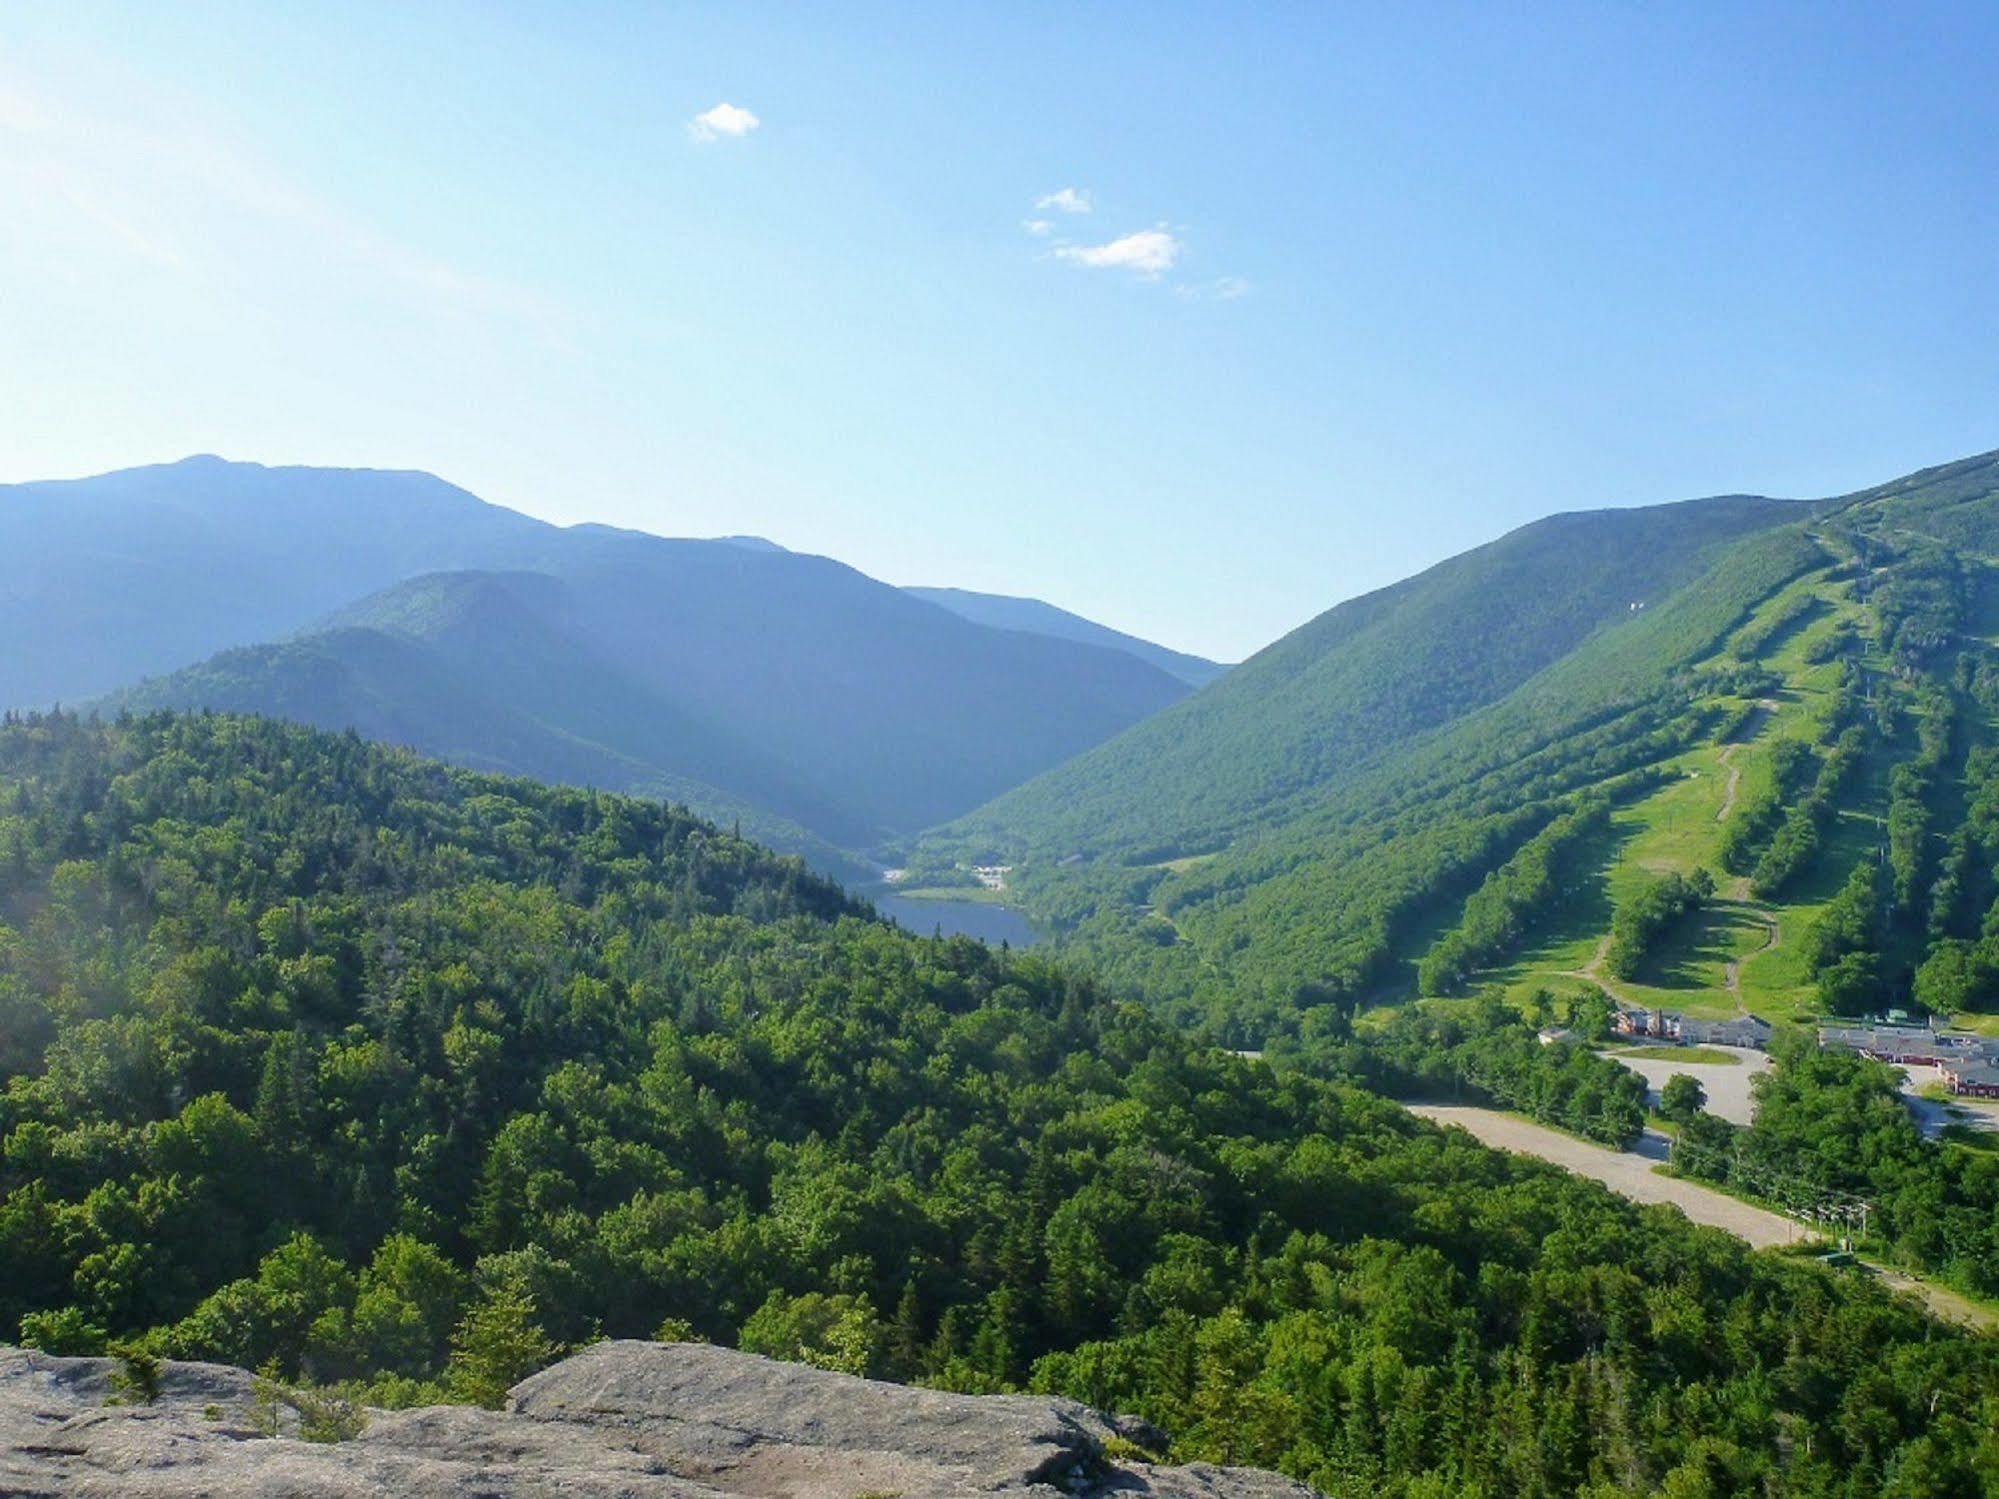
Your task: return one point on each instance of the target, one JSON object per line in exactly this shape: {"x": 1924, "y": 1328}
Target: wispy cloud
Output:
{"x": 1221, "y": 289}
{"x": 1149, "y": 253}
{"x": 152, "y": 182}
{"x": 1067, "y": 200}
{"x": 724, "y": 120}
{"x": 1039, "y": 228}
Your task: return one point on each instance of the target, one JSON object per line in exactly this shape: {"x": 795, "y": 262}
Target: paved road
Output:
{"x": 1628, "y": 1175}
{"x": 1931, "y": 1115}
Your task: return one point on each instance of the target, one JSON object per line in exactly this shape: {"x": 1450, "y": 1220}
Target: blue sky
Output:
{"x": 1357, "y": 287}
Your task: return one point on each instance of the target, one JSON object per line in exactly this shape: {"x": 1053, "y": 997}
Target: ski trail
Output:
{"x": 1734, "y": 782}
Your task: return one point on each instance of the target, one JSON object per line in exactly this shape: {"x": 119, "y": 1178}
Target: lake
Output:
{"x": 970, "y": 918}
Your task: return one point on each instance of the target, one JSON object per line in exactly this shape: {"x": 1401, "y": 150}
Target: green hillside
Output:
{"x": 1337, "y": 694}
{"x": 1863, "y": 635}
{"x": 825, "y": 710}
{"x": 323, "y": 1059}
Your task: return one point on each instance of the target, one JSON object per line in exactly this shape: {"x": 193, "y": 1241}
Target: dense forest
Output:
{"x": 328, "y": 1059}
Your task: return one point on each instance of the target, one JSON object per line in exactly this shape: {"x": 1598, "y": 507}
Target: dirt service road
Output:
{"x": 1627, "y": 1175}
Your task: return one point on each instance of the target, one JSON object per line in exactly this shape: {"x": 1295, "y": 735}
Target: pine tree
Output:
{"x": 497, "y": 1345}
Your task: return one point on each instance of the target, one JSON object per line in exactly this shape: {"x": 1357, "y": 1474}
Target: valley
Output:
{"x": 1053, "y": 751}
{"x": 818, "y": 709}
{"x": 402, "y": 1078}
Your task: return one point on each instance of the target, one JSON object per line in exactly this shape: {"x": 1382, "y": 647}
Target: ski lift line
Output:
{"x": 1794, "y": 1195}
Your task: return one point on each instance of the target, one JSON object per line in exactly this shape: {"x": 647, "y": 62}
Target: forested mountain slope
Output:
{"x": 787, "y": 683}
{"x": 330, "y": 1060}
{"x": 823, "y": 709}
{"x": 1513, "y": 834}
{"x": 1005, "y": 612}
{"x": 468, "y": 707}
{"x": 1336, "y": 694}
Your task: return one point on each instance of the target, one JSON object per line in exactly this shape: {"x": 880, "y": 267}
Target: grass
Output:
{"x": 1675, "y": 830}
{"x": 1182, "y": 864}
{"x": 1703, "y": 1055}
{"x": 1672, "y": 829}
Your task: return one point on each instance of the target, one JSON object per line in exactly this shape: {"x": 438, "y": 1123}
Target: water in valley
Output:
{"x": 970, "y": 918}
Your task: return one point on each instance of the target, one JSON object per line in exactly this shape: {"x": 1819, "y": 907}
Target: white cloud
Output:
{"x": 1067, "y": 200}
{"x": 724, "y": 119}
{"x": 1039, "y": 228}
{"x": 1150, "y": 253}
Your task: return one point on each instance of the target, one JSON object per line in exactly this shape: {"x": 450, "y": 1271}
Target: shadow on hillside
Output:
{"x": 1583, "y": 912}
{"x": 1692, "y": 957}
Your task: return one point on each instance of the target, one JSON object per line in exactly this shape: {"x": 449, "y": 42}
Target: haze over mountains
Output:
{"x": 823, "y": 709}
{"x": 1008, "y": 613}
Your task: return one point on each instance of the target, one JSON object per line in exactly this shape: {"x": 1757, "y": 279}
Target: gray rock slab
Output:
{"x": 620, "y": 1420}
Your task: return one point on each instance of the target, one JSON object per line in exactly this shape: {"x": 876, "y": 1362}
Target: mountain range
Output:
{"x": 1004, "y": 612}
{"x": 822, "y": 710}
{"x": 1471, "y": 778}
{"x": 337, "y": 1062}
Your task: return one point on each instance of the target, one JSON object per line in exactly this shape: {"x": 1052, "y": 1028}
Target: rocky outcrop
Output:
{"x": 618, "y": 1421}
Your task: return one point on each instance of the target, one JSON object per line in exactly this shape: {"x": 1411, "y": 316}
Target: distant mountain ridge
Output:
{"x": 1005, "y": 612}
{"x": 144, "y": 570}
{"x": 824, "y": 711}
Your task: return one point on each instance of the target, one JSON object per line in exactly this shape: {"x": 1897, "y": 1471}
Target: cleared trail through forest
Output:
{"x": 1734, "y": 782}
{"x": 1731, "y": 973}
{"x": 1593, "y": 971}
